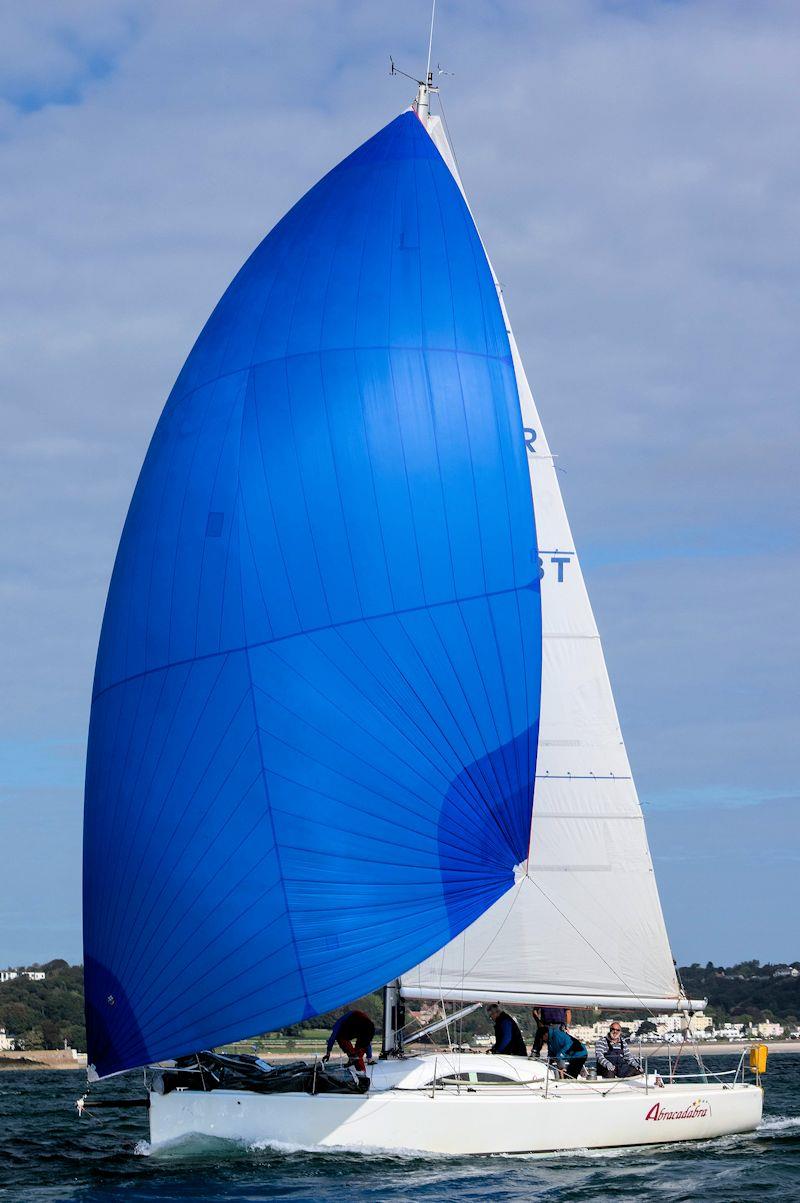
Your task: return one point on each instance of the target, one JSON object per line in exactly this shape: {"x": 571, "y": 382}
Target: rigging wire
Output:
{"x": 450, "y": 140}
{"x": 688, "y": 1034}
{"x": 596, "y": 951}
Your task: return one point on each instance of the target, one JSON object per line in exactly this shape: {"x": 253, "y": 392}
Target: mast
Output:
{"x": 394, "y": 1018}
{"x": 422, "y": 105}
{"x": 423, "y": 95}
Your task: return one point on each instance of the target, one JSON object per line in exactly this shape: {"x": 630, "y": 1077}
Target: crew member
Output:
{"x": 562, "y": 1047}
{"x": 614, "y": 1059}
{"x": 507, "y": 1036}
{"x": 543, "y": 1017}
{"x": 353, "y": 1032}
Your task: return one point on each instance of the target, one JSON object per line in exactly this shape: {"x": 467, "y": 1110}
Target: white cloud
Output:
{"x": 51, "y": 53}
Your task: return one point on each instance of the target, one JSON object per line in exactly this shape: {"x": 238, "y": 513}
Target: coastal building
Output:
{"x": 768, "y": 1031}
{"x": 6, "y": 1041}
{"x": 584, "y": 1032}
{"x": 34, "y": 975}
{"x": 729, "y": 1031}
{"x": 666, "y": 1026}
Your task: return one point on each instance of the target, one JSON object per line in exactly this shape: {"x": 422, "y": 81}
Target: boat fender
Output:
{"x": 758, "y": 1058}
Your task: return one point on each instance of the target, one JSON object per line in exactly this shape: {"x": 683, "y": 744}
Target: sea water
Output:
{"x": 47, "y": 1153}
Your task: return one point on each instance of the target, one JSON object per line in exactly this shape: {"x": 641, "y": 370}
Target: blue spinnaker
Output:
{"x": 314, "y": 720}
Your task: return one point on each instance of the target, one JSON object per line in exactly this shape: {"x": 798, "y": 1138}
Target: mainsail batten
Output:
{"x": 585, "y": 921}
{"x": 315, "y": 716}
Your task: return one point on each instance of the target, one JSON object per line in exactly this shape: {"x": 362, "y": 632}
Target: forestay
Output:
{"x": 314, "y": 719}
{"x": 583, "y": 923}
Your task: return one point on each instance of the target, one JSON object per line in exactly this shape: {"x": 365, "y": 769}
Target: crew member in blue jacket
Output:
{"x": 353, "y": 1032}
{"x": 543, "y": 1017}
{"x": 507, "y": 1036}
{"x": 563, "y": 1047}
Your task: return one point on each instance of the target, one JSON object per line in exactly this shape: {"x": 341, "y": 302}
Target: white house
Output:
{"x": 34, "y": 975}
{"x": 585, "y": 1032}
{"x": 730, "y": 1031}
{"x": 769, "y": 1030}
{"x": 667, "y": 1024}
{"x": 6, "y": 1042}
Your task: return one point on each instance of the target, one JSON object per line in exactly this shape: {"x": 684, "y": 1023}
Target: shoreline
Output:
{"x": 716, "y": 1050}
{"x": 39, "y": 1059}
{"x": 735, "y": 1048}
{"x": 42, "y": 1058}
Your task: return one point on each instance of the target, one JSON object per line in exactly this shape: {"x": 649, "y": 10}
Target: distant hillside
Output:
{"x": 748, "y": 990}
{"x": 45, "y": 1014}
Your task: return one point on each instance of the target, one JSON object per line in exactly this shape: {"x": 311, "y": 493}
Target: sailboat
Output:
{"x": 351, "y": 722}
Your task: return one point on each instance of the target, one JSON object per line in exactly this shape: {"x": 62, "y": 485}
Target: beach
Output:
{"x": 61, "y": 1058}
{"x": 43, "y": 1058}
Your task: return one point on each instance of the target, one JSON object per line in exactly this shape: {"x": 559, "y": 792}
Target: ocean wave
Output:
{"x": 778, "y": 1123}
{"x": 372, "y": 1151}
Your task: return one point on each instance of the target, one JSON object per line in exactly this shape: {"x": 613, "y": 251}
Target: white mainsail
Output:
{"x": 583, "y": 923}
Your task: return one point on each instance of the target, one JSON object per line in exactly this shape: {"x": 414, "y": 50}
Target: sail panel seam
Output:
{"x": 450, "y": 601}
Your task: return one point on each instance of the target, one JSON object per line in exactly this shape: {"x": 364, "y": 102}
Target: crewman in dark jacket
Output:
{"x": 353, "y": 1032}
{"x": 507, "y": 1036}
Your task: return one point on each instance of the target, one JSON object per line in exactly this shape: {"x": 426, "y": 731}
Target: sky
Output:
{"x": 633, "y": 170}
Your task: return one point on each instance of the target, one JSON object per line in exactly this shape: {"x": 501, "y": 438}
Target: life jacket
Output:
{"x": 616, "y": 1053}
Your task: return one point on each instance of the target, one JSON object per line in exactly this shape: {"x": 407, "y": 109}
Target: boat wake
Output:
{"x": 774, "y": 1124}
{"x": 194, "y": 1145}
{"x": 214, "y": 1146}
{"x": 287, "y": 1147}
{"x": 717, "y": 1144}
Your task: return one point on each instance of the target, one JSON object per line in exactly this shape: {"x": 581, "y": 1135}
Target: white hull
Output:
{"x": 490, "y": 1120}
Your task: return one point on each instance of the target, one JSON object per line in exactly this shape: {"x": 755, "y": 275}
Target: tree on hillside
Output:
{"x": 746, "y": 968}
{"x": 45, "y": 1014}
